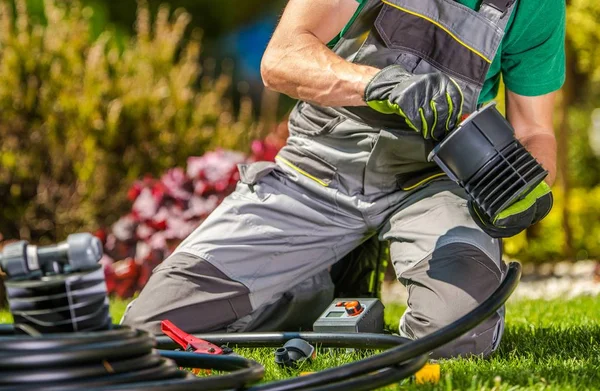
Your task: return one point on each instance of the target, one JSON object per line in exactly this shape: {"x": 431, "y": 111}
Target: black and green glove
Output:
{"x": 518, "y": 216}
{"x": 430, "y": 103}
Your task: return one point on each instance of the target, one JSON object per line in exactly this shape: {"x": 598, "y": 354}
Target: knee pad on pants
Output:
{"x": 448, "y": 284}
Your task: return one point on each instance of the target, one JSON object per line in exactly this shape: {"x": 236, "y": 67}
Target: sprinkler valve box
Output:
{"x": 363, "y": 315}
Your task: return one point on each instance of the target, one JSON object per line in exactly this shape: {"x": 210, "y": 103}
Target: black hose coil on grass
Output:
{"x": 125, "y": 359}
{"x": 107, "y": 359}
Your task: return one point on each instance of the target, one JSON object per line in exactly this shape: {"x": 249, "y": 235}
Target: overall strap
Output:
{"x": 498, "y": 11}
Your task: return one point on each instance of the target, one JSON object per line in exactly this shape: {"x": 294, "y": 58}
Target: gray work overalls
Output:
{"x": 261, "y": 261}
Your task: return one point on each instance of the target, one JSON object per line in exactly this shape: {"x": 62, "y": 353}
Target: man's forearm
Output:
{"x": 542, "y": 146}
{"x": 309, "y": 71}
{"x": 532, "y": 118}
{"x": 298, "y": 62}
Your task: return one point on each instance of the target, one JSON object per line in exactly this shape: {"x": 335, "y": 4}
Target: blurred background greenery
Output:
{"x": 96, "y": 94}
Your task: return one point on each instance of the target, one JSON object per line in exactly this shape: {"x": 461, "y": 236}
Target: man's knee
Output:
{"x": 198, "y": 297}
{"x": 444, "y": 287}
{"x": 480, "y": 341}
{"x": 191, "y": 293}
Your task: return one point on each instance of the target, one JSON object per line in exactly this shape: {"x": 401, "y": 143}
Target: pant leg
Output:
{"x": 359, "y": 273}
{"x": 266, "y": 249}
{"x": 449, "y": 266}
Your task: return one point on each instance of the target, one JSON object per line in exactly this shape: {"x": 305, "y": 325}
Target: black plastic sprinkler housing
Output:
{"x": 483, "y": 156}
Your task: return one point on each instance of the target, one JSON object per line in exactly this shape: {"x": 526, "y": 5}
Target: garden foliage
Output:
{"x": 84, "y": 117}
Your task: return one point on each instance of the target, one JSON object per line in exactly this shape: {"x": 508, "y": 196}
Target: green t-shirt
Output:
{"x": 531, "y": 57}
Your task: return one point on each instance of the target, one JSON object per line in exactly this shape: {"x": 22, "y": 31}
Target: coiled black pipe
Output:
{"x": 108, "y": 359}
{"x": 124, "y": 359}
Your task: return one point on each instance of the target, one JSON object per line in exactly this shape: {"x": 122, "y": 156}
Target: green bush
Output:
{"x": 83, "y": 117}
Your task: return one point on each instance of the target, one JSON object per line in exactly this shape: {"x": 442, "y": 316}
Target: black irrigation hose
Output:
{"x": 261, "y": 340}
{"x": 119, "y": 359}
{"x": 378, "y": 379}
{"x": 407, "y": 351}
{"x": 331, "y": 340}
{"x": 129, "y": 353}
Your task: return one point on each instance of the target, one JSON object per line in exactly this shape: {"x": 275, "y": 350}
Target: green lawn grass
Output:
{"x": 548, "y": 345}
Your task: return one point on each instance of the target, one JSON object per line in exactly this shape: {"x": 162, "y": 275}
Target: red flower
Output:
{"x": 177, "y": 184}
{"x": 134, "y": 191}
{"x": 146, "y": 205}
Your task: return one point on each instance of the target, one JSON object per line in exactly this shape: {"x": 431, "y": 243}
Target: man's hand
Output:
{"x": 430, "y": 104}
{"x": 517, "y": 217}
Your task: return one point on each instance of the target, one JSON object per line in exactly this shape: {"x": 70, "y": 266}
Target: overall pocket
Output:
{"x": 313, "y": 121}
{"x": 392, "y": 156}
{"x": 308, "y": 165}
{"x": 432, "y": 41}
{"x": 424, "y": 36}
{"x": 251, "y": 174}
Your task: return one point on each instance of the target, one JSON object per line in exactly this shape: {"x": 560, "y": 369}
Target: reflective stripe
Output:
{"x": 301, "y": 171}
{"x": 440, "y": 26}
{"x": 423, "y": 181}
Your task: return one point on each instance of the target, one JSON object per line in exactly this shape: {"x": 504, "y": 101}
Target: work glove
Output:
{"x": 431, "y": 103}
{"x": 518, "y": 216}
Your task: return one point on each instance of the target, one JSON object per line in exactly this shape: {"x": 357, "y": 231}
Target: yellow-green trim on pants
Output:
{"x": 301, "y": 171}
{"x": 422, "y": 182}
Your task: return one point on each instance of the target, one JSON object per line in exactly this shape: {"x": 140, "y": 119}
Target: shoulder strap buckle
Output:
{"x": 500, "y": 5}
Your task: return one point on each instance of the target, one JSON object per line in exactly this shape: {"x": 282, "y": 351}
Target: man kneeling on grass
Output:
{"x": 379, "y": 83}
